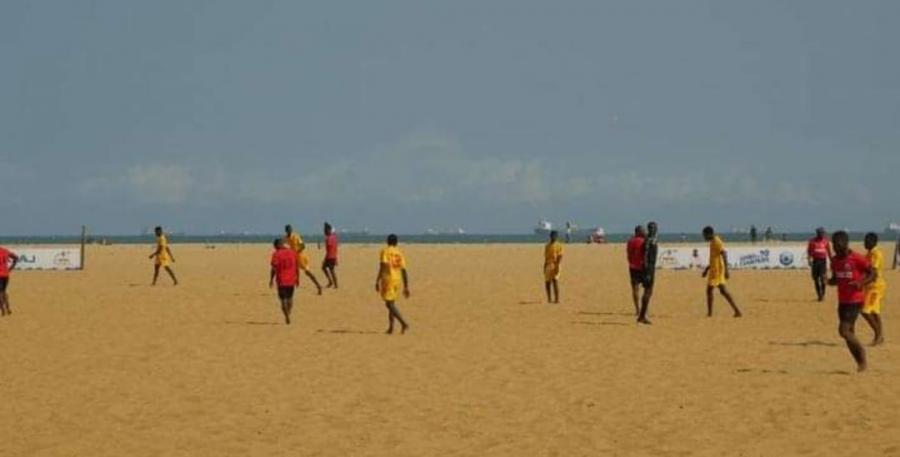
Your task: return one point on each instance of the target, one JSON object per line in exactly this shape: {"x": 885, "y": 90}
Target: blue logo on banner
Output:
{"x": 786, "y": 258}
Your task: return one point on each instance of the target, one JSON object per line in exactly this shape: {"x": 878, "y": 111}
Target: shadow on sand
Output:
{"x": 599, "y": 323}
{"x": 343, "y": 331}
{"x": 253, "y": 323}
{"x": 803, "y": 343}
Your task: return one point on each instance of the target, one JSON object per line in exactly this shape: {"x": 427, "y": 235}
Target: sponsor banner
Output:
{"x": 739, "y": 257}
{"x": 48, "y": 258}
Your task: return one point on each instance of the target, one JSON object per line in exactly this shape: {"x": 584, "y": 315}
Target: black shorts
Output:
{"x": 819, "y": 268}
{"x": 639, "y": 277}
{"x": 848, "y": 312}
{"x": 285, "y": 292}
{"x": 330, "y": 263}
{"x": 4, "y": 283}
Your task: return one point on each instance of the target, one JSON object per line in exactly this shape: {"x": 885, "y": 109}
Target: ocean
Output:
{"x": 377, "y": 239}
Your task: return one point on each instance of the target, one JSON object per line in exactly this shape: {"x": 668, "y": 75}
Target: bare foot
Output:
{"x": 389, "y": 331}
{"x": 861, "y": 367}
{"x": 320, "y": 291}
{"x": 878, "y": 341}
{"x": 738, "y": 314}
{"x": 644, "y": 321}
{"x": 404, "y": 329}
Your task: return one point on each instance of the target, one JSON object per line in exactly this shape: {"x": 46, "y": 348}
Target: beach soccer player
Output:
{"x": 874, "y": 291}
{"x": 716, "y": 273}
{"x": 851, "y": 272}
{"x": 284, "y": 273}
{"x": 331, "y": 256}
{"x": 818, "y": 251}
{"x": 163, "y": 256}
{"x": 8, "y": 262}
{"x": 634, "y": 252}
{"x": 295, "y": 242}
{"x": 651, "y": 250}
{"x": 391, "y": 276}
{"x": 553, "y": 254}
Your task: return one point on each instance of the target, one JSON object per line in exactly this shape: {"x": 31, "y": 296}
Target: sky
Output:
{"x": 407, "y": 115}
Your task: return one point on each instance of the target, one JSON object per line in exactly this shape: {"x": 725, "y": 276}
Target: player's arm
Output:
{"x": 157, "y": 252}
{"x": 272, "y": 273}
{"x": 169, "y": 251}
{"x": 830, "y": 253}
{"x": 405, "y": 283}
{"x": 382, "y": 272}
{"x": 725, "y": 261}
{"x": 705, "y": 271}
{"x": 15, "y": 260}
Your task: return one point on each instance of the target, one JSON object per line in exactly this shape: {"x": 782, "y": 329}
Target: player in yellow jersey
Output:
{"x": 716, "y": 273}
{"x": 295, "y": 242}
{"x": 391, "y": 276}
{"x": 553, "y": 254}
{"x": 163, "y": 256}
{"x": 874, "y": 291}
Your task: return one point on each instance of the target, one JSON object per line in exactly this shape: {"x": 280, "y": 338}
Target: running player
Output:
{"x": 284, "y": 273}
{"x": 651, "y": 248}
{"x": 331, "y": 256}
{"x": 391, "y": 275}
{"x": 8, "y": 262}
{"x": 717, "y": 273}
{"x": 553, "y": 253}
{"x": 874, "y": 291}
{"x": 818, "y": 251}
{"x": 163, "y": 256}
{"x": 293, "y": 239}
{"x": 634, "y": 251}
{"x": 851, "y": 272}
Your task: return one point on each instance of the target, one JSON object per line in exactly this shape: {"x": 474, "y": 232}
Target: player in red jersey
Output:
{"x": 331, "y": 256}
{"x": 818, "y": 252}
{"x": 284, "y": 272}
{"x": 8, "y": 262}
{"x": 634, "y": 251}
{"x": 850, "y": 272}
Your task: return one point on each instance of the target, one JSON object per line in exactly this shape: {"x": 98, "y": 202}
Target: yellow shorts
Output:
{"x": 551, "y": 272}
{"x": 303, "y": 262}
{"x": 874, "y": 296}
{"x": 389, "y": 290}
{"x": 162, "y": 261}
{"x": 715, "y": 279}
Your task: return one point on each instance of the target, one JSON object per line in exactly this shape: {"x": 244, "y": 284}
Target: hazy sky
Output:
{"x": 405, "y": 115}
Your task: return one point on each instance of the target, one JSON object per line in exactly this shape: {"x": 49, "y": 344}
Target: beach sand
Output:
{"x": 98, "y": 363}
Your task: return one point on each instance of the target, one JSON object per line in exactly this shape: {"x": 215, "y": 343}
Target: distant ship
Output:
{"x": 571, "y": 232}
{"x": 893, "y": 227}
{"x": 348, "y": 232}
{"x": 457, "y": 231}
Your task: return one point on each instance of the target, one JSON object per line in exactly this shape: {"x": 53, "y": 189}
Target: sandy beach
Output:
{"x": 98, "y": 363}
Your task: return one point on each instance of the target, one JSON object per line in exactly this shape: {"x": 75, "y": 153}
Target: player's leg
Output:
{"x": 172, "y": 275}
{"x": 709, "y": 301}
{"x": 848, "y": 315}
{"x": 4, "y": 307}
{"x": 315, "y": 281}
{"x": 155, "y": 273}
{"x": 645, "y": 303}
{"x": 724, "y": 291}
{"x": 547, "y": 288}
{"x": 556, "y": 290}
{"x": 870, "y": 319}
{"x": 636, "y": 296}
{"x": 396, "y": 313}
{"x": 332, "y": 268}
{"x": 879, "y": 330}
{"x": 390, "y": 329}
{"x": 327, "y": 274}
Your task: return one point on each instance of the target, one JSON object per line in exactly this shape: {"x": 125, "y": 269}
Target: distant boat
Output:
{"x": 348, "y": 232}
{"x": 572, "y": 232}
{"x": 893, "y": 227}
{"x": 544, "y": 227}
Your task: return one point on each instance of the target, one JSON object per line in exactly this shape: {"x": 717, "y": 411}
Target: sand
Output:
{"x": 98, "y": 363}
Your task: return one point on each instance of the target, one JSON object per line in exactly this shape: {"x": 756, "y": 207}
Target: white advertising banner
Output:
{"x": 47, "y": 258}
{"x": 739, "y": 257}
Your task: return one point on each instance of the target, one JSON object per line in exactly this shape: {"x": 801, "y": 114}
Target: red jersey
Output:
{"x": 635, "y": 250}
{"x": 818, "y": 249}
{"x": 284, "y": 261}
{"x": 331, "y": 247}
{"x": 852, "y": 267}
{"x": 4, "y": 263}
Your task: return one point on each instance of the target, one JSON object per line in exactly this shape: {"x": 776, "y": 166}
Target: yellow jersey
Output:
{"x": 396, "y": 262}
{"x": 553, "y": 252}
{"x": 876, "y": 258}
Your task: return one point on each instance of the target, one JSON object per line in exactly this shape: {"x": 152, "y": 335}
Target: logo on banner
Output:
{"x": 755, "y": 259}
{"x": 786, "y": 258}
{"x": 62, "y": 260}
